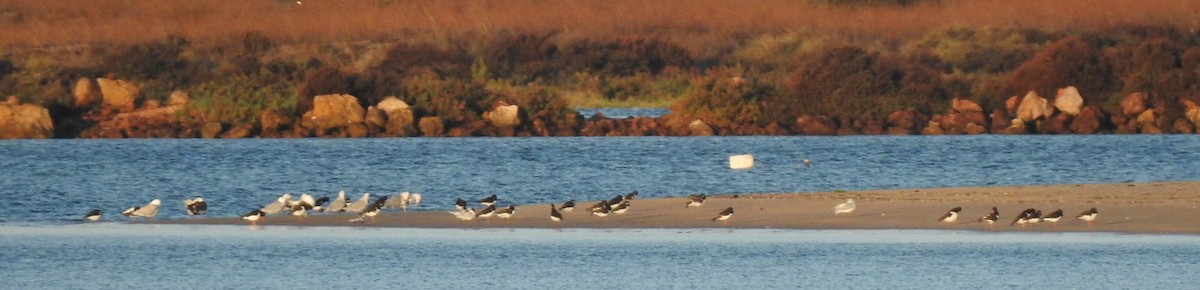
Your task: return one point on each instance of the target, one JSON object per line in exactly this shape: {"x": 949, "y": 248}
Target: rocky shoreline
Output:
{"x": 106, "y": 108}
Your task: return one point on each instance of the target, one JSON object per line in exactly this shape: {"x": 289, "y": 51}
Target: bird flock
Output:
{"x": 367, "y": 209}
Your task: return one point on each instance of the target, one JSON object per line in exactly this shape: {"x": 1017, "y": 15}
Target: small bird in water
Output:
{"x": 554, "y": 214}
{"x": 807, "y": 163}
{"x": 950, "y": 216}
{"x": 253, "y": 216}
{"x": 1088, "y": 216}
{"x": 845, "y": 207}
{"x": 196, "y": 206}
{"x": 724, "y": 215}
{"x": 991, "y": 218}
{"x": 93, "y": 215}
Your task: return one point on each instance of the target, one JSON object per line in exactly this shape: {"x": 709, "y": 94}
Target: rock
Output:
{"x": 210, "y": 130}
{"x": 87, "y": 93}
{"x": 273, "y": 122}
{"x": 965, "y": 106}
{"x": 1133, "y": 104}
{"x": 357, "y": 130}
{"x": 1191, "y": 111}
{"x": 1147, "y": 118}
{"x": 1053, "y": 125}
{"x": 973, "y": 129}
{"x": 1000, "y": 121}
{"x": 151, "y": 105}
{"x": 375, "y": 121}
{"x": 399, "y": 117}
{"x": 1017, "y": 127}
{"x": 25, "y": 121}
{"x": 178, "y": 98}
{"x": 1068, "y": 100}
{"x": 237, "y": 132}
{"x": 431, "y": 126}
{"x": 118, "y": 94}
{"x": 504, "y": 116}
{"x": 934, "y": 128}
{"x": 1032, "y": 107}
{"x": 815, "y": 125}
{"x": 699, "y": 128}
{"x": 1088, "y": 121}
{"x": 333, "y": 111}
{"x": 1012, "y": 104}
{"x": 905, "y": 122}
{"x": 1183, "y": 126}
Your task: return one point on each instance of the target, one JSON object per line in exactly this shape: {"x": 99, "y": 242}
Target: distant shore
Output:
{"x": 1135, "y": 208}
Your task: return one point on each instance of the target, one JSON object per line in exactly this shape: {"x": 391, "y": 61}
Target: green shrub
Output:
{"x": 238, "y": 100}
{"x": 723, "y": 96}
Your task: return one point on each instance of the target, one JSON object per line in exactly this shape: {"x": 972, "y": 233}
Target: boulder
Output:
{"x": 210, "y": 130}
{"x": 273, "y": 122}
{"x": 237, "y": 132}
{"x": 1017, "y": 127}
{"x": 150, "y": 105}
{"x": 973, "y": 129}
{"x": 1053, "y": 125}
{"x": 399, "y": 116}
{"x": 1068, "y": 100}
{"x": 504, "y": 116}
{"x": 357, "y": 130}
{"x": 1191, "y": 111}
{"x": 1147, "y": 118}
{"x": 965, "y": 106}
{"x": 1033, "y": 107}
{"x": 333, "y": 111}
{"x": 934, "y": 128}
{"x": 25, "y": 121}
{"x": 178, "y": 98}
{"x": 1183, "y": 126}
{"x": 1012, "y": 104}
{"x": 1000, "y": 121}
{"x": 1133, "y": 104}
{"x": 905, "y": 121}
{"x": 432, "y": 126}
{"x": 815, "y": 125}
{"x": 699, "y": 128}
{"x": 87, "y": 93}
{"x": 118, "y": 94}
{"x": 1088, "y": 121}
{"x": 375, "y": 121}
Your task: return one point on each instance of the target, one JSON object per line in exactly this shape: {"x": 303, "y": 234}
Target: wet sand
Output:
{"x": 1159, "y": 208}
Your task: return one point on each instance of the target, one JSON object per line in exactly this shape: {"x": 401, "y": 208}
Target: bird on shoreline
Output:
{"x": 93, "y": 215}
{"x": 276, "y": 206}
{"x": 150, "y": 210}
{"x": 253, "y": 216}
{"x": 460, "y": 205}
{"x": 506, "y": 213}
{"x": 991, "y": 218}
{"x": 1088, "y": 216}
{"x": 631, "y": 195}
{"x": 487, "y": 212}
{"x": 724, "y": 215}
{"x": 554, "y": 214}
{"x": 569, "y": 206}
{"x": 601, "y": 209}
{"x": 621, "y": 207}
{"x": 373, "y": 209}
{"x": 338, "y": 204}
{"x": 361, "y": 204}
{"x": 319, "y": 204}
{"x": 950, "y": 216}
{"x": 845, "y": 207}
{"x": 695, "y": 200}
{"x": 129, "y": 212}
{"x": 1053, "y": 217}
{"x": 196, "y": 206}
{"x": 1027, "y": 216}
{"x": 616, "y": 200}
{"x": 488, "y": 201}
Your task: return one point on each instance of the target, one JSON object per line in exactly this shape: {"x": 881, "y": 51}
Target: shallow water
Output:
{"x": 113, "y": 255}
{"x": 57, "y": 181}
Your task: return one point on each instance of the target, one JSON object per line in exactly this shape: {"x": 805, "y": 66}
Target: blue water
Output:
{"x": 113, "y": 256}
{"x": 48, "y": 184}
{"x": 622, "y": 113}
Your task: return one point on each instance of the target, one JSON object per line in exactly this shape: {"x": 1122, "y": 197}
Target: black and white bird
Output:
{"x": 601, "y": 209}
{"x": 506, "y": 213}
{"x": 568, "y": 206}
{"x": 1088, "y": 216}
{"x": 845, "y": 207}
{"x": 93, "y": 215}
{"x": 319, "y": 204}
{"x": 150, "y": 210}
{"x": 631, "y": 195}
{"x": 1023, "y": 217}
{"x": 695, "y": 200}
{"x": 460, "y": 205}
{"x": 724, "y": 215}
{"x": 195, "y": 206}
{"x": 487, "y": 212}
{"x": 301, "y": 209}
{"x": 129, "y": 212}
{"x": 373, "y": 209}
{"x": 254, "y": 215}
{"x": 950, "y": 216}
{"x": 620, "y": 208}
{"x": 554, "y": 214}
{"x": 488, "y": 201}
{"x": 616, "y": 200}
{"x": 1053, "y": 217}
{"x": 991, "y": 218}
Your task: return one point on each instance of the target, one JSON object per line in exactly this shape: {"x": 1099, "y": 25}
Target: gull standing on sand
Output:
{"x": 846, "y": 207}
{"x": 724, "y": 215}
{"x": 1088, "y": 216}
{"x": 196, "y": 206}
{"x": 93, "y": 215}
{"x": 554, "y": 214}
{"x": 991, "y": 218}
{"x": 150, "y": 210}
{"x": 253, "y": 216}
{"x": 950, "y": 216}
{"x": 361, "y": 204}
{"x": 277, "y": 205}
{"x": 337, "y": 204}
{"x": 465, "y": 214}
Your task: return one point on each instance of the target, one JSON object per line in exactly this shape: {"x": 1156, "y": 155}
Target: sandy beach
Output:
{"x": 1159, "y": 208}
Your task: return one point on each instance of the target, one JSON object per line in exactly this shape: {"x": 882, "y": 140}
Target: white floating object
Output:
{"x": 744, "y": 161}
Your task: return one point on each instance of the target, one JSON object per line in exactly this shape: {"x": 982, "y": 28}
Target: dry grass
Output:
{"x": 698, "y": 25}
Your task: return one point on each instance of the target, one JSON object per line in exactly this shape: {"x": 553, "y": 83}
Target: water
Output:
{"x": 49, "y": 181}
{"x": 622, "y": 113}
{"x": 114, "y": 256}
{"x": 49, "y": 184}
